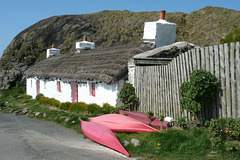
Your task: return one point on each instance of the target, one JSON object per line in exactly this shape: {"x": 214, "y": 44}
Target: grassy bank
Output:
{"x": 174, "y": 143}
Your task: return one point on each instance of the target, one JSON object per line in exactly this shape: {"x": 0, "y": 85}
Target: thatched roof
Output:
{"x": 107, "y": 64}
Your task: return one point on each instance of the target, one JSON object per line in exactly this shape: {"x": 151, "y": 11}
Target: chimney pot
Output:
{"x": 162, "y": 14}
{"x": 85, "y": 38}
{"x": 53, "y": 45}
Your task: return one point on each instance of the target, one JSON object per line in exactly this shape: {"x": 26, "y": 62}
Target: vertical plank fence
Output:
{"x": 157, "y": 86}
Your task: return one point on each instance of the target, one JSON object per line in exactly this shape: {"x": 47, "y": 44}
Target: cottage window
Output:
{"x": 92, "y": 91}
{"x": 59, "y": 86}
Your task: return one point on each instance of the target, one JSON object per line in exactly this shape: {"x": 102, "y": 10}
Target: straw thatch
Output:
{"x": 107, "y": 64}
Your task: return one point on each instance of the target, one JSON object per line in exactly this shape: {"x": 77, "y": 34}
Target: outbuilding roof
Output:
{"x": 107, "y": 64}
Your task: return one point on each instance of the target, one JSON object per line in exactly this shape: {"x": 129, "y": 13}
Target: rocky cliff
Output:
{"x": 108, "y": 28}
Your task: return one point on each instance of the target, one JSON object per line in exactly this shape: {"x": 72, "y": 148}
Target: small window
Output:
{"x": 59, "y": 86}
{"x": 93, "y": 89}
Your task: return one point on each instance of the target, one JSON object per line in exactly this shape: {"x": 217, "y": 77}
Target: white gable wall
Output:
{"x": 103, "y": 93}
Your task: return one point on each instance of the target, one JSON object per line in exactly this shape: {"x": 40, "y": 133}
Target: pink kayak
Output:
{"x": 102, "y": 135}
{"x": 142, "y": 117}
{"x": 121, "y": 123}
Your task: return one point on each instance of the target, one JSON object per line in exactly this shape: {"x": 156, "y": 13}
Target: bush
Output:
{"x": 127, "y": 95}
{"x": 65, "y": 105}
{"x": 201, "y": 88}
{"x": 224, "y": 130}
{"x": 94, "y": 108}
{"x": 79, "y": 107}
{"x": 181, "y": 122}
{"x": 107, "y": 108}
{"x": 38, "y": 96}
{"x": 25, "y": 96}
{"x": 233, "y": 36}
{"x": 49, "y": 101}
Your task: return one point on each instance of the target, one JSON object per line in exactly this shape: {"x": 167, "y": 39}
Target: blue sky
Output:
{"x": 17, "y": 15}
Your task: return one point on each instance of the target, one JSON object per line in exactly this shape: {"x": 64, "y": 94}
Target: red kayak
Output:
{"x": 102, "y": 135}
{"x": 142, "y": 117}
{"x": 121, "y": 123}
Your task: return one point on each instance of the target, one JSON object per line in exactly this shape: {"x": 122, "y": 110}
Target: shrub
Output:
{"x": 79, "y": 107}
{"x": 150, "y": 114}
{"x": 94, "y": 108}
{"x": 127, "y": 95}
{"x": 182, "y": 122}
{"x": 65, "y": 105}
{"x": 38, "y": 96}
{"x": 201, "y": 88}
{"x": 233, "y": 36}
{"x": 224, "y": 130}
{"x": 49, "y": 101}
{"x": 25, "y": 96}
{"x": 107, "y": 108}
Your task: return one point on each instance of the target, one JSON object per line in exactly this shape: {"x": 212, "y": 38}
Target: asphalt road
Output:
{"x": 22, "y": 138}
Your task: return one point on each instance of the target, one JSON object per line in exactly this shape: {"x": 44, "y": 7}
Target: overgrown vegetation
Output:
{"x": 219, "y": 141}
{"x": 225, "y": 133}
{"x": 201, "y": 88}
{"x": 233, "y": 36}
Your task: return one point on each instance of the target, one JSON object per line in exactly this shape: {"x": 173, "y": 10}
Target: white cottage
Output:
{"x": 92, "y": 76}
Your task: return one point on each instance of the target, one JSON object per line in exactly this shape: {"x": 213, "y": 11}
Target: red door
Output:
{"x": 74, "y": 91}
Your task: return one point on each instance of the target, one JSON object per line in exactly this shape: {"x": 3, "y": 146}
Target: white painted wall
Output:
{"x": 103, "y": 93}
{"x": 131, "y": 71}
{"x": 160, "y": 33}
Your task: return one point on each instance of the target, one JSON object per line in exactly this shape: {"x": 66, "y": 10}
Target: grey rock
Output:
{"x": 67, "y": 119}
{"x": 126, "y": 143}
{"x": 135, "y": 142}
{"x": 25, "y": 111}
{"x": 17, "y": 112}
{"x": 37, "y": 113}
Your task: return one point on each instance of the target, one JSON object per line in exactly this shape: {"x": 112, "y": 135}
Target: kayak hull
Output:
{"x": 102, "y": 135}
{"x": 142, "y": 117}
{"x": 121, "y": 123}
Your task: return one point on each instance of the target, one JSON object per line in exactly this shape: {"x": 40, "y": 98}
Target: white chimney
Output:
{"x": 160, "y": 33}
{"x": 53, "y": 51}
{"x": 84, "y": 45}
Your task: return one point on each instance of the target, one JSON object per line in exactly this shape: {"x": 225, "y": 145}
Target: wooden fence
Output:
{"x": 157, "y": 86}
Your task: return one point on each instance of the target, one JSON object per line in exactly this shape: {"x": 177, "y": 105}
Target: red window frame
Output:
{"x": 59, "y": 86}
{"x": 93, "y": 93}
{"x": 77, "y": 91}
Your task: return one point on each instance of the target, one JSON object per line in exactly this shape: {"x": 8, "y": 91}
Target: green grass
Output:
{"x": 170, "y": 144}
{"x": 173, "y": 144}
